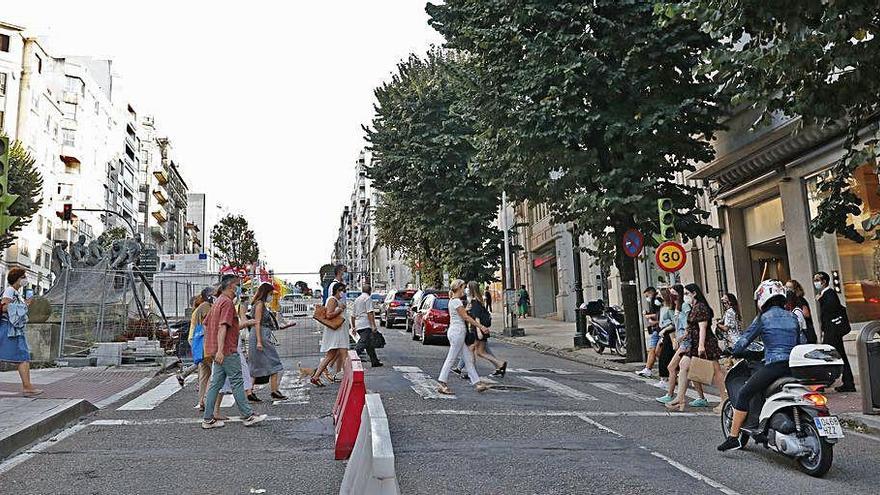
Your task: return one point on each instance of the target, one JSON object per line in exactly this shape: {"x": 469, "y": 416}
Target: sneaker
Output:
{"x": 456, "y": 371}
{"x": 666, "y": 399}
{"x": 645, "y": 373}
{"x": 378, "y": 364}
{"x": 662, "y": 383}
{"x": 699, "y": 403}
{"x": 254, "y": 419}
{"x": 464, "y": 376}
{"x": 730, "y": 444}
{"x": 211, "y": 424}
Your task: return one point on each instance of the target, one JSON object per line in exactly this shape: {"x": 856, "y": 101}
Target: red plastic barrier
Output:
{"x": 349, "y": 405}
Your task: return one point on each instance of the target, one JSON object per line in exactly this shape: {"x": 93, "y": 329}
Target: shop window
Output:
{"x": 857, "y": 263}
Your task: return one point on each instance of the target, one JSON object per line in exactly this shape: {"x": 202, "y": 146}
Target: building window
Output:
{"x": 69, "y": 110}
{"x": 858, "y": 264}
{"x": 4, "y": 42}
{"x": 2, "y": 84}
{"x": 47, "y": 260}
{"x": 69, "y": 136}
{"x": 76, "y": 85}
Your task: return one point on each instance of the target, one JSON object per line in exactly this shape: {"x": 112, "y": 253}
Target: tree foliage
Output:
{"x": 234, "y": 242}
{"x": 26, "y": 181}
{"x": 111, "y": 235}
{"x": 591, "y": 108}
{"x": 435, "y": 208}
{"x": 816, "y": 59}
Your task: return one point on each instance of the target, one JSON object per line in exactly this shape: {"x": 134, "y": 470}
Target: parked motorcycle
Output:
{"x": 793, "y": 419}
{"x": 605, "y": 327}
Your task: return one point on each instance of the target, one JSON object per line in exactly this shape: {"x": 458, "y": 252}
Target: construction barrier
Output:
{"x": 370, "y": 471}
{"x": 349, "y": 403}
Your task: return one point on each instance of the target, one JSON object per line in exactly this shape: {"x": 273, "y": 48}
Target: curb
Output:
{"x": 571, "y": 355}
{"x": 55, "y": 419}
{"x": 861, "y": 423}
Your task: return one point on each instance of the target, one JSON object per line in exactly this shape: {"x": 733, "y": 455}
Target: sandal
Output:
{"x": 445, "y": 390}
{"x": 252, "y": 397}
{"x": 316, "y": 382}
{"x": 32, "y": 392}
{"x": 278, "y": 396}
{"x": 503, "y": 369}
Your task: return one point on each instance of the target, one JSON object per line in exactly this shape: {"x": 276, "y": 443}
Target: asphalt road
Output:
{"x": 562, "y": 428}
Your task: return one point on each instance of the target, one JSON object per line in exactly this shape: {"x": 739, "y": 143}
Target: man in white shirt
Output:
{"x": 363, "y": 320}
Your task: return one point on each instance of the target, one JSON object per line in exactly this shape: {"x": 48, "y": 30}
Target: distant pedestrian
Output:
{"x": 478, "y": 312}
{"x": 13, "y": 321}
{"x": 487, "y": 297}
{"x": 730, "y": 325}
{"x": 523, "y": 301}
{"x": 222, "y": 328}
{"x": 835, "y": 324}
{"x": 667, "y": 331}
{"x": 334, "y": 343}
{"x": 800, "y": 301}
{"x": 653, "y": 304}
{"x": 265, "y": 364}
{"x": 363, "y": 320}
{"x": 458, "y": 321}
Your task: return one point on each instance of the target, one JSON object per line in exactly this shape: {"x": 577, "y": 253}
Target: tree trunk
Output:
{"x": 629, "y": 293}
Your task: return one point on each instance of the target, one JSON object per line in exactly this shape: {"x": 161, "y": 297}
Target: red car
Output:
{"x": 432, "y": 318}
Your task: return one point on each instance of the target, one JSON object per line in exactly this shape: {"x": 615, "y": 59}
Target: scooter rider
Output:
{"x": 780, "y": 331}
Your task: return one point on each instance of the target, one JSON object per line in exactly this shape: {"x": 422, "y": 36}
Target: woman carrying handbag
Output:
{"x": 334, "y": 342}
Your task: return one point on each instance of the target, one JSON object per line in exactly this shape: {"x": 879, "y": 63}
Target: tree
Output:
{"x": 435, "y": 209}
{"x": 234, "y": 242}
{"x": 593, "y": 109}
{"x": 816, "y": 59}
{"x": 26, "y": 181}
{"x": 111, "y": 235}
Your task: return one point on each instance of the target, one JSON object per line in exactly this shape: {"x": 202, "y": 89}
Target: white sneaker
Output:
{"x": 662, "y": 384}
{"x": 254, "y": 419}
{"x": 209, "y": 425}
{"x": 645, "y": 373}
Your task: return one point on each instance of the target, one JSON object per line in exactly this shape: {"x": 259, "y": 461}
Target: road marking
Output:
{"x": 423, "y": 384}
{"x": 695, "y": 475}
{"x": 188, "y": 421}
{"x": 294, "y": 387}
{"x": 130, "y": 390}
{"x": 40, "y": 447}
{"x": 155, "y": 396}
{"x": 618, "y": 389}
{"x": 587, "y": 419}
{"x": 653, "y": 382}
{"x": 558, "y": 388}
{"x": 610, "y": 414}
{"x": 555, "y": 371}
{"x": 402, "y": 332}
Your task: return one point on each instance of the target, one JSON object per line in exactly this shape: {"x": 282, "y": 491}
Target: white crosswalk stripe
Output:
{"x": 156, "y": 395}
{"x": 294, "y": 387}
{"x": 422, "y": 384}
{"x": 555, "y": 371}
{"x": 622, "y": 391}
{"x": 558, "y": 388}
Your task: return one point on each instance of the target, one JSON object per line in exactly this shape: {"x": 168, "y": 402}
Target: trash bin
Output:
{"x": 580, "y": 336}
{"x": 868, "y": 348}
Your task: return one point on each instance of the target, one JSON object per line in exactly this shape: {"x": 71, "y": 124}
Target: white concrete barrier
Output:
{"x": 370, "y": 470}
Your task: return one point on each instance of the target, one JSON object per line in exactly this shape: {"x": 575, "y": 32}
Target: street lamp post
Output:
{"x": 510, "y": 325}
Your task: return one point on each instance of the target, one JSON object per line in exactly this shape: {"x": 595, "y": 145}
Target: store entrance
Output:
{"x": 769, "y": 261}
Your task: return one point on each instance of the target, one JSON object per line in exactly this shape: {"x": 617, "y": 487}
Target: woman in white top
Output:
{"x": 13, "y": 340}
{"x": 334, "y": 342}
{"x": 458, "y": 320}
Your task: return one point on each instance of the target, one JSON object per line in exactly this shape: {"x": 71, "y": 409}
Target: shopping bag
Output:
{"x": 701, "y": 370}
{"x": 198, "y": 344}
{"x": 378, "y": 340}
{"x": 320, "y": 314}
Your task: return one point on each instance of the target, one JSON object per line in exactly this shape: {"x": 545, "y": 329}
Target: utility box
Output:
{"x": 868, "y": 348}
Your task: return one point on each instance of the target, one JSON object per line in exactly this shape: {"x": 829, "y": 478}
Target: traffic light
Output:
{"x": 67, "y": 212}
{"x": 667, "y": 219}
{"x": 6, "y": 199}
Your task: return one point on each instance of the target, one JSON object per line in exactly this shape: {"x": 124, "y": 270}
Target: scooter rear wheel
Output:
{"x": 819, "y": 463}
{"x": 727, "y": 423}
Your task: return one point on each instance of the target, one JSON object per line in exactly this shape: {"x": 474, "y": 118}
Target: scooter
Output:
{"x": 792, "y": 416}
{"x": 605, "y": 327}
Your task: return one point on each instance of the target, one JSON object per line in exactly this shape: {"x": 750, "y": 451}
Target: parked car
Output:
{"x": 414, "y": 306}
{"x": 431, "y": 320}
{"x": 377, "y": 301}
{"x": 395, "y": 307}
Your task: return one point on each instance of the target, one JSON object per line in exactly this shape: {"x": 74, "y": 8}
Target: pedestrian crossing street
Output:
{"x": 297, "y": 389}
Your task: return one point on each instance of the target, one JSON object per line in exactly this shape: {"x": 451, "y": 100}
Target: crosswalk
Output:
{"x": 538, "y": 380}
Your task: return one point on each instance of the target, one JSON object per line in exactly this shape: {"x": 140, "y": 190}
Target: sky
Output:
{"x": 263, "y": 100}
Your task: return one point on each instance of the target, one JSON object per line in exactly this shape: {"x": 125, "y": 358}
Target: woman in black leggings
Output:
{"x": 780, "y": 331}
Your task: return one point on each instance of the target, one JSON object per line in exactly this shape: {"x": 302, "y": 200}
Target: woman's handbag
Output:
{"x": 470, "y": 336}
{"x": 701, "y": 370}
{"x": 320, "y": 314}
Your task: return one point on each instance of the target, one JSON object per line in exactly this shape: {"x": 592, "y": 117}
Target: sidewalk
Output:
{"x": 68, "y": 394}
{"x": 557, "y": 338}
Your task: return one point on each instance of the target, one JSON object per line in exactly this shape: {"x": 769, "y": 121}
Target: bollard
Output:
{"x": 868, "y": 349}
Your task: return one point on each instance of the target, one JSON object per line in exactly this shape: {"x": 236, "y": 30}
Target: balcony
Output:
{"x": 71, "y": 97}
{"x": 161, "y": 177}
{"x": 160, "y": 197}
{"x": 159, "y": 215}
{"x": 158, "y": 233}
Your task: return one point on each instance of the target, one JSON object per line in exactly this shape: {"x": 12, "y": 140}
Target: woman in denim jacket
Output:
{"x": 780, "y": 332}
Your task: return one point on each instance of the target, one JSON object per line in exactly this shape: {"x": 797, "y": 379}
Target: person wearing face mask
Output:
{"x": 835, "y": 324}
{"x": 13, "y": 341}
{"x": 799, "y": 301}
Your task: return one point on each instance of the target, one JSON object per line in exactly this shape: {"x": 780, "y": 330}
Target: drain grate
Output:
{"x": 509, "y": 388}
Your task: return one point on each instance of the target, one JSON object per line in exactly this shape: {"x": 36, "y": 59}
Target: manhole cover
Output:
{"x": 508, "y": 388}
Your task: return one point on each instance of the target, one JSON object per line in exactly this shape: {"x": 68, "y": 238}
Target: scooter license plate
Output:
{"x": 829, "y": 426}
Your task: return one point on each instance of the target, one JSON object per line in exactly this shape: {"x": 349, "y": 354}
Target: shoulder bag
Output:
{"x": 701, "y": 370}
{"x": 320, "y": 314}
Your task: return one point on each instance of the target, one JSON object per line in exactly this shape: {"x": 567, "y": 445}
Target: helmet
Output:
{"x": 768, "y": 290}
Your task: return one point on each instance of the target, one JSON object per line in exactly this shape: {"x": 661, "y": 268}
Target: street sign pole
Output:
{"x": 510, "y": 327}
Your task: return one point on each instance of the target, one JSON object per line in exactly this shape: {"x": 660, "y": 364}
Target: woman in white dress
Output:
{"x": 458, "y": 318}
{"x": 334, "y": 342}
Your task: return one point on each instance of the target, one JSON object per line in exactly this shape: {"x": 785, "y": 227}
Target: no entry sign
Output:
{"x": 670, "y": 256}
{"x": 633, "y": 241}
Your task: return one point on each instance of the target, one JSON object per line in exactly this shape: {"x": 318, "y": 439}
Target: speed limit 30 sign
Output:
{"x": 670, "y": 256}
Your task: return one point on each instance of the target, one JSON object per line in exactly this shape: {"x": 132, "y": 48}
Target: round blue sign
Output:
{"x": 633, "y": 241}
